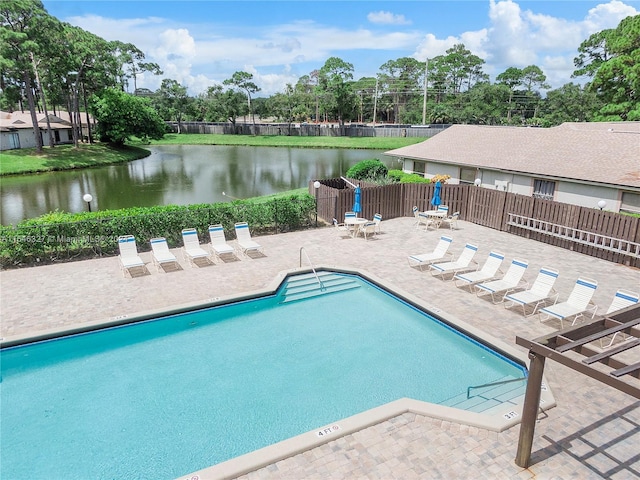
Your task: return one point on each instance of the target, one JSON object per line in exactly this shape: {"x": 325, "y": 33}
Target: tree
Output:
{"x": 569, "y": 103}
{"x": 484, "y": 104}
{"x": 616, "y": 80}
{"x": 87, "y": 68}
{"x": 130, "y": 63}
{"x": 19, "y": 30}
{"x": 287, "y": 106}
{"x": 335, "y": 82}
{"x": 243, "y": 81}
{"x": 172, "y": 101}
{"x": 402, "y": 79}
{"x": 121, "y": 115}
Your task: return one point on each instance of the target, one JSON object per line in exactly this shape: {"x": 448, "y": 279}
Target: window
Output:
{"x": 14, "y": 141}
{"x": 468, "y": 175}
{"x": 419, "y": 167}
{"x": 630, "y": 202}
{"x": 544, "y": 189}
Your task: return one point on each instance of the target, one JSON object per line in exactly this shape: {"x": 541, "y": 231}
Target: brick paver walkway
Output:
{"x": 593, "y": 433}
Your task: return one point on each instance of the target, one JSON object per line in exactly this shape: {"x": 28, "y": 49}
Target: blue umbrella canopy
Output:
{"x": 436, "y": 200}
{"x": 357, "y": 207}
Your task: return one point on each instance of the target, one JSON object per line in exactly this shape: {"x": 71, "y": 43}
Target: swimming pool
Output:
{"x": 162, "y": 398}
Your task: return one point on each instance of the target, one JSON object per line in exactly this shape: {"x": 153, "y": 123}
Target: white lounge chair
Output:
{"x": 461, "y": 264}
{"x": 488, "y": 272}
{"x": 622, "y": 299}
{"x": 161, "y": 255}
{"x": 342, "y": 229}
{"x": 576, "y": 306}
{"x": 511, "y": 281}
{"x": 540, "y": 292}
{"x": 130, "y": 261}
{"x": 243, "y": 239}
{"x": 191, "y": 247}
{"x": 219, "y": 245}
{"x": 438, "y": 254}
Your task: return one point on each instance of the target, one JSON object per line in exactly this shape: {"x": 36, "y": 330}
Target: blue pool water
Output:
{"x": 163, "y": 398}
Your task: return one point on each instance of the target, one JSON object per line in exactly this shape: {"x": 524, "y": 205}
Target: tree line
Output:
{"x": 47, "y": 64}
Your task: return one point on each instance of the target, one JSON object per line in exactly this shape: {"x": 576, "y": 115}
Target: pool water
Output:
{"x": 163, "y": 398}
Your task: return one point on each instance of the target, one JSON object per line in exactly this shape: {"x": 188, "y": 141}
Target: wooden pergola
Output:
{"x": 617, "y": 365}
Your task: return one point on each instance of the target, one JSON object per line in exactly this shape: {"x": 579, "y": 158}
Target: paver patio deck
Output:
{"x": 594, "y": 432}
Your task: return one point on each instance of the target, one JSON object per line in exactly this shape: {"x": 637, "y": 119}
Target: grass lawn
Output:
{"x": 382, "y": 143}
{"x": 65, "y": 157}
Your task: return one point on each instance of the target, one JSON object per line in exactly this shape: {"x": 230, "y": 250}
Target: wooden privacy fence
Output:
{"x": 606, "y": 235}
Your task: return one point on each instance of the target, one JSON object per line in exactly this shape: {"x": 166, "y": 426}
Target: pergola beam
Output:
{"x": 621, "y": 376}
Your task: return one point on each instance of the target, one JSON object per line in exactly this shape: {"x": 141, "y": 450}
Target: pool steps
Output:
{"x": 484, "y": 399}
{"x": 307, "y": 286}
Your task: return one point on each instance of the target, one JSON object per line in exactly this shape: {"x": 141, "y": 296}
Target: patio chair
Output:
{"x": 451, "y": 220}
{"x": 191, "y": 247}
{"x": 622, "y": 299}
{"x": 244, "y": 240}
{"x": 415, "y": 214}
{"x": 377, "y": 219}
{"x": 576, "y": 306}
{"x": 443, "y": 208}
{"x": 219, "y": 245}
{"x": 488, "y": 272}
{"x": 342, "y": 229}
{"x": 438, "y": 254}
{"x": 161, "y": 255}
{"x": 510, "y": 282}
{"x": 540, "y": 292}
{"x": 130, "y": 261}
{"x": 367, "y": 230}
{"x": 426, "y": 220}
{"x": 461, "y": 264}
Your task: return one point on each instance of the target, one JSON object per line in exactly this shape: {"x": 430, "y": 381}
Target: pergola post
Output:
{"x": 530, "y": 409}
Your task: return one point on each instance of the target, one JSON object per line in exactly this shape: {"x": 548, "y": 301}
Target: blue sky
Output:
{"x": 201, "y": 43}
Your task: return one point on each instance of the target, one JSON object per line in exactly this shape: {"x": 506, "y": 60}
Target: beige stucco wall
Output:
{"x": 566, "y": 192}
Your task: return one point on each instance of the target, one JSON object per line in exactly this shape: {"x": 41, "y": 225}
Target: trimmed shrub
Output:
{"x": 65, "y": 236}
{"x": 398, "y": 176}
{"x": 368, "y": 170}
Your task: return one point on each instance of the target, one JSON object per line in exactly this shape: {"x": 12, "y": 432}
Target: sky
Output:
{"x": 201, "y": 43}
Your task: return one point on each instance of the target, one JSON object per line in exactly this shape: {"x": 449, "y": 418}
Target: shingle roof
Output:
{"x": 601, "y": 152}
{"x": 22, "y": 120}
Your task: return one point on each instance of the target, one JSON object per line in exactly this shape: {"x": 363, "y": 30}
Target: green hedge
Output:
{"x": 399, "y": 176}
{"x": 65, "y": 236}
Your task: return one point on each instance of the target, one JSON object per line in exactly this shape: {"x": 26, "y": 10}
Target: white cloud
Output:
{"x": 518, "y": 38}
{"x": 607, "y": 15}
{"x": 387, "y": 18}
{"x": 201, "y": 55}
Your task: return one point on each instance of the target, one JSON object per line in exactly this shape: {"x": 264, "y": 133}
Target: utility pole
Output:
{"x": 424, "y": 98}
{"x": 375, "y": 104}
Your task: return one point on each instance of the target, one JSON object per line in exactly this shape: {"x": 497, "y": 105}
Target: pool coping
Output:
{"x": 498, "y": 421}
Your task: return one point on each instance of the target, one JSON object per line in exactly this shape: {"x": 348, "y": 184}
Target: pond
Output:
{"x": 176, "y": 174}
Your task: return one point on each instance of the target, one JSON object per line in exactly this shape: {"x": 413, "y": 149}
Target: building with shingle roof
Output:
{"x": 16, "y": 129}
{"x": 577, "y": 163}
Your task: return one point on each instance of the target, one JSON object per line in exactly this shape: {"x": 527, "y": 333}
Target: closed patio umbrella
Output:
{"x": 436, "y": 200}
{"x": 357, "y": 207}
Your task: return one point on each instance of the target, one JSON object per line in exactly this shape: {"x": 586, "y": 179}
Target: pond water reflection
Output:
{"x": 176, "y": 174}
